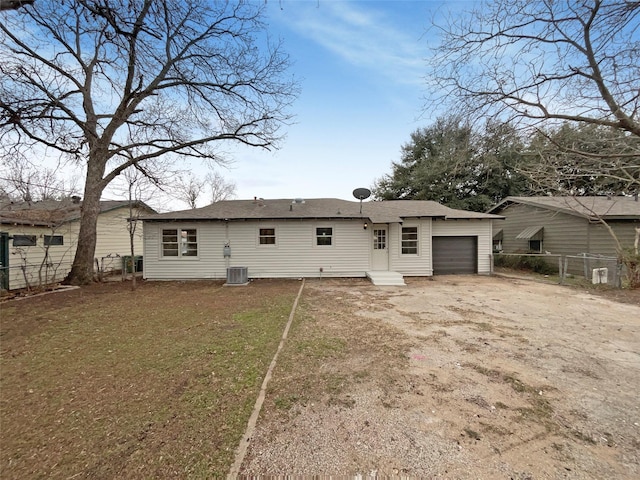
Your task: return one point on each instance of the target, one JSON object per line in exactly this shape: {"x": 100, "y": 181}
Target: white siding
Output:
{"x": 26, "y": 266}
{"x": 480, "y": 228}
{"x": 295, "y": 253}
{"x": 112, "y": 240}
{"x": 411, "y": 265}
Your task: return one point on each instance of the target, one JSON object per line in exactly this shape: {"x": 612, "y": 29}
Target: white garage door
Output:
{"x": 455, "y": 255}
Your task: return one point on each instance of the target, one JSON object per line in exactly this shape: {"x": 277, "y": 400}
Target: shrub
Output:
{"x": 530, "y": 263}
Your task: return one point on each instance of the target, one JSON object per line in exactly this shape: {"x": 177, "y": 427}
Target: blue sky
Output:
{"x": 361, "y": 67}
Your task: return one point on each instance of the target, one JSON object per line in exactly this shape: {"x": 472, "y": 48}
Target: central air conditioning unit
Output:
{"x": 237, "y": 276}
{"x": 599, "y": 275}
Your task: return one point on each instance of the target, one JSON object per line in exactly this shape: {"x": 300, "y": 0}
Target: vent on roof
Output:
{"x": 237, "y": 276}
{"x": 298, "y": 200}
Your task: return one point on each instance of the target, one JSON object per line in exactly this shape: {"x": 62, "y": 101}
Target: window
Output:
{"x": 533, "y": 235}
{"x": 179, "y": 242}
{"x": 535, "y": 246}
{"x": 379, "y": 239}
{"x": 498, "y": 236}
{"x": 267, "y": 236}
{"x": 324, "y": 235}
{"x": 24, "y": 240}
{"x": 409, "y": 240}
{"x": 53, "y": 240}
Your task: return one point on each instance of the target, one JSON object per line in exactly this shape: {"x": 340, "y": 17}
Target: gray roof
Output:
{"x": 607, "y": 208}
{"x": 54, "y": 212}
{"x": 318, "y": 208}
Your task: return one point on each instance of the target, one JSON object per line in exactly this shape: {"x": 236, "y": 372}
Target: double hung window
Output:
{"x": 179, "y": 242}
{"x": 267, "y": 236}
{"x": 409, "y": 240}
{"x": 324, "y": 236}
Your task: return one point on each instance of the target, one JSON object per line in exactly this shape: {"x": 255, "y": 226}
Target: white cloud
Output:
{"x": 364, "y": 36}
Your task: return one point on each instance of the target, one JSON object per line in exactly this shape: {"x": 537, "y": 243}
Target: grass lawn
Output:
{"x": 103, "y": 382}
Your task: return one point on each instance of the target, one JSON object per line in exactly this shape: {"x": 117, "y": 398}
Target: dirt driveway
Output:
{"x": 457, "y": 377}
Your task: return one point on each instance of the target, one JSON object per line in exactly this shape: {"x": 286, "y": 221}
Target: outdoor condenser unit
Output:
{"x": 599, "y": 275}
{"x": 237, "y": 275}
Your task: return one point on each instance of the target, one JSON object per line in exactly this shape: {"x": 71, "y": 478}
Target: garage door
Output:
{"x": 455, "y": 255}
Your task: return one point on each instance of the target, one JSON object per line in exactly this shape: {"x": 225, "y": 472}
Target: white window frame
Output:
{"x": 532, "y": 250}
{"x": 416, "y": 240}
{"x": 317, "y": 236}
{"x": 267, "y": 236}
{"x": 182, "y": 243}
{"x": 380, "y": 241}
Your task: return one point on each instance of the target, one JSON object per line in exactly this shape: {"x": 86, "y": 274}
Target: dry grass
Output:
{"x": 103, "y": 382}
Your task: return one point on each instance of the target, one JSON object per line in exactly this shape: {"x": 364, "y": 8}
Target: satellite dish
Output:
{"x": 361, "y": 193}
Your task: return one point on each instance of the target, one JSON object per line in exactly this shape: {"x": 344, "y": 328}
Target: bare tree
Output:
{"x": 189, "y": 189}
{"x": 138, "y": 190}
{"x": 115, "y": 84}
{"x": 25, "y": 182}
{"x": 221, "y": 189}
{"x": 544, "y": 61}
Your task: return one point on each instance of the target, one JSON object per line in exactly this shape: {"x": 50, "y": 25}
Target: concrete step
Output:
{"x": 383, "y": 277}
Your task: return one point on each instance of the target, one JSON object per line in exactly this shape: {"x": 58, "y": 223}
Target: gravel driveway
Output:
{"x": 454, "y": 377}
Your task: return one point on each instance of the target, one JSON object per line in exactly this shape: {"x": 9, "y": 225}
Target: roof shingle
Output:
{"x": 319, "y": 208}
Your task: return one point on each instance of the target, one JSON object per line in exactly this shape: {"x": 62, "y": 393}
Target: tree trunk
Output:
{"x": 82, "y": 269}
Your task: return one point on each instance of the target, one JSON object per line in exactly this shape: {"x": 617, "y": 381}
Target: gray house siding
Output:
{"x": 563, "y": 234}
{"x": 601, "y": 242}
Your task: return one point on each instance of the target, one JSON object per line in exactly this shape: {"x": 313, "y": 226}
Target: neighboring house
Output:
{"x": 316, "y": 238}
{"x": 565, "y": 225}
{"x": 38, "y": 239}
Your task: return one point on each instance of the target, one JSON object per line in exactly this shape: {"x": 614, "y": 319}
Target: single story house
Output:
{"x": 38, "y": 239}
{"x": 321, "y": 237}
{"x": 565, "y": 225}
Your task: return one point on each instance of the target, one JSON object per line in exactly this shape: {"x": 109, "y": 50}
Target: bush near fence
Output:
{"x": 34, "y": 276}
{"x": 527, "y": 262}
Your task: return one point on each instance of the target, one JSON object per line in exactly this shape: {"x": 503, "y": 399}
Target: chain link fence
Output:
{"x": 596, "y": 269}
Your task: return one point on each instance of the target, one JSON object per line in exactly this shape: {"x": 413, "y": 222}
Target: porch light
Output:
{"x": 365, "y": 225}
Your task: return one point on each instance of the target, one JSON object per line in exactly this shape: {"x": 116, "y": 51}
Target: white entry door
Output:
{"x": 380, "y": 258}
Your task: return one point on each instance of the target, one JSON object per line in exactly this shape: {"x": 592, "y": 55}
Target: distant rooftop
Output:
{"x": 590, "y": 207}
{"x": 53, "y": 212}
